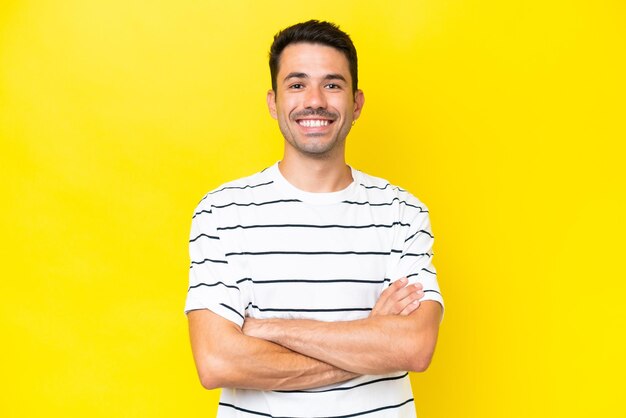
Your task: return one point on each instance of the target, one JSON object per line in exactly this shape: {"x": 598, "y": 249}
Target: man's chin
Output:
{"x": 315, "y": 151}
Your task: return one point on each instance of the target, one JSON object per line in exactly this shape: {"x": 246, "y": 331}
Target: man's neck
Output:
{"x": 316, "y": 175}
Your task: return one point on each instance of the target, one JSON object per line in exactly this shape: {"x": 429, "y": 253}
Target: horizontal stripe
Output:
{"x": 416, "y": 255}
{"x": 271, "y": 202}
{"x": 431, "y": 290}
{"x": 422, "y": 210}
{"x": 203, "y": 235}
{"x": 248, "y": 279}
{"x": 417, "y": 274}
{"x": 226, "y": 228}
{"x": 421, "y": 231}
{"x": 382, "y": 408}
{"x": 212, "y": 285}
{"x": 398, "y": 188}
{"x": 247, "y": 186}
{"x": 356, "y": 414}
{"x": 200, "y": 213}
{"x": 209, "y": 261}
{"x": 308, "y": 310}
{"x": 232, "y": 309}
{"x": 311, "y": 253}
{"x": 384, "y": 379}
{"x": 375, "y": 187}
{"x": 383, "y": 188}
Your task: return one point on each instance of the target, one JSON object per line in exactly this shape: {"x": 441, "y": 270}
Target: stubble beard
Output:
{"x": 309, "y": 145}
{"x": 313, "y": 145}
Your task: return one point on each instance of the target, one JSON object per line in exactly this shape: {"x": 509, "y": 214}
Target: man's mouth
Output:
{"x": 314, "y": 123}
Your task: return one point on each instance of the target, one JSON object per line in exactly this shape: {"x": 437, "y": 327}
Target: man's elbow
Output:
{"x": 421, "y": 354}
{"x": 209, "y": 382}
{"x": 420, "y": 362}
{"x": 212, "y": 374}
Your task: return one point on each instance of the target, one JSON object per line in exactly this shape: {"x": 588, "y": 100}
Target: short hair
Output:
{"x": 315, "y": 32}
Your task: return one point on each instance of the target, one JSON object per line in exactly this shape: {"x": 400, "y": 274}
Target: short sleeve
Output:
{"x": 416, "y": 260}
{"x": 212, "y": 284}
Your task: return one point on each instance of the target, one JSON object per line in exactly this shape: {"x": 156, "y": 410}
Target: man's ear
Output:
{"x": 271, "y": 103}
{"x": 359, "y": 101}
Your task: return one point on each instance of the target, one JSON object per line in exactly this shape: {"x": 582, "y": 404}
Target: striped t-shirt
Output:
{"x": 262, "y": 248}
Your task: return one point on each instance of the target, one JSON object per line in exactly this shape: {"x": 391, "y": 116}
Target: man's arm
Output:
{"x": 226, "y": 357}
{"x": 375, "y": 345}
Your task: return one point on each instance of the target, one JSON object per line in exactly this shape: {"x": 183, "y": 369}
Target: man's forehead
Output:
{"x": 312, "y": 60}
{"x": 309, "y": 58}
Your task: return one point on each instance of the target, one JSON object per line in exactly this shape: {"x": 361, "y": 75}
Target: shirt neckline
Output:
{"x": 323, "y": 198}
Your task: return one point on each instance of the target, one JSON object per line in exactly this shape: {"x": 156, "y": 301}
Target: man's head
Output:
{"x": 313, "y": 96}
{"x": 314, "y": 32}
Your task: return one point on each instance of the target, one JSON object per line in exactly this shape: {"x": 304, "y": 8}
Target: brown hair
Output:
{"x": 315, "y": 32}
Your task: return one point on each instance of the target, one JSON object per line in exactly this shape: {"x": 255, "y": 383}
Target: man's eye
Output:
{"x": 332, "y": 86}
{"x": 296, "y": 86}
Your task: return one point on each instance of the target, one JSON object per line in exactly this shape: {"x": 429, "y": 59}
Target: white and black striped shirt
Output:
{"x": 262, "y": 248}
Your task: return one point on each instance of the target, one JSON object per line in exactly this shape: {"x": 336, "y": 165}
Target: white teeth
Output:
{"x": 313, "y": 123}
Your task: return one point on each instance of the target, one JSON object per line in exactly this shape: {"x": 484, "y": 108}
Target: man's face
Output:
{"x": 314, "y": 103}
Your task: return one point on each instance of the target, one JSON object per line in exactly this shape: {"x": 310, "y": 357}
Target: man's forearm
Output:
{"x": 376, "y": 345}
{"x": 225, "y": 357}
{"x": 262, "y": 365}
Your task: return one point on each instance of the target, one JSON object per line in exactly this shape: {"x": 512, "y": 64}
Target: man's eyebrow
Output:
{"x": 335, "y": 77}
{"x": 332, "y": 76}
{"x": 295, "y": 75}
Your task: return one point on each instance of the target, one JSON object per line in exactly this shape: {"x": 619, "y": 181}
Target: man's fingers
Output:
{"x": 410, "y": 308}
{"x": 398, "y": 298}
{"x": 398, "y": 289}
{"x": 405, "y": 292}
{"x": 397, "y": 286}
{"x": 410, "y": 303}
{"x": 382, "y": 304}
{"x": 394, "y": 287}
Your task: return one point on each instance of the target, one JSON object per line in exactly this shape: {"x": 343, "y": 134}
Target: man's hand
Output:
{"x": 398, "y": 299}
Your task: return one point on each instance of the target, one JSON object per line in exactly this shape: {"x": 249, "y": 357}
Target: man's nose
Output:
{"x": 315, "y": 98}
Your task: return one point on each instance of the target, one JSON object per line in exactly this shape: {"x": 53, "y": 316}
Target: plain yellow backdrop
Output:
{"x": 506, "y": 118}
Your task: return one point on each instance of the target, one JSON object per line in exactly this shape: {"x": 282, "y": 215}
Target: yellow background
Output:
{"x": 506, "y": 118}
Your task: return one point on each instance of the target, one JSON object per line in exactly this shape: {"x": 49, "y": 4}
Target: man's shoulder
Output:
{"x": 382, "y": 189}
{"x": 238, "y": 188}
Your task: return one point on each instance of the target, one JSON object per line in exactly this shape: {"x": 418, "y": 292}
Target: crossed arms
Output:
{"x": 293, "y": 354}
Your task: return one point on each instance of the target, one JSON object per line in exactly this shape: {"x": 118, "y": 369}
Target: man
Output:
{"x": 312, "y": 291}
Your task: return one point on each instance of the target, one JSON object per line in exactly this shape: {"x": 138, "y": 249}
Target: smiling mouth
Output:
{"x": 314, "y": 123}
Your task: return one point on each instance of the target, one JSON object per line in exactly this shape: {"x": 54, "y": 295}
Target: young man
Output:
{"x": 312, "y": 291}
